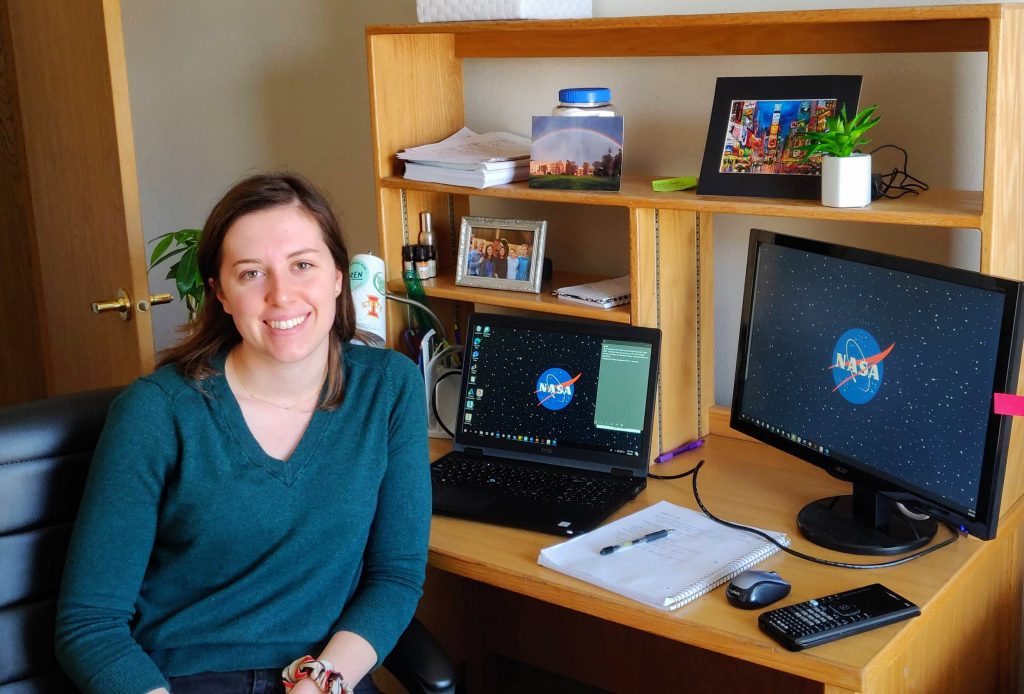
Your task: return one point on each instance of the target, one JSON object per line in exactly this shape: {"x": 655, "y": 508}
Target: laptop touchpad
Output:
{"x": 464, "y": 501}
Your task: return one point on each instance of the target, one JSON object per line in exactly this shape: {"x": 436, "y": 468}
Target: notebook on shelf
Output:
{"x": 668, "y": 573}
{"x": 554, "y": 423}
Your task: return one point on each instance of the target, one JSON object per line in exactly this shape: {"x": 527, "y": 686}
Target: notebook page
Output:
{"x": 666, "y": 573}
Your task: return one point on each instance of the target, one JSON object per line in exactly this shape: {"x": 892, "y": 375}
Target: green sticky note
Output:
{"x": 680, "y": 183}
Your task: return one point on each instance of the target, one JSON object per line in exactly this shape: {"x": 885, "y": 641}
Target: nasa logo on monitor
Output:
{"x": 555, "y": 388}
{"x": 857, "y": 369}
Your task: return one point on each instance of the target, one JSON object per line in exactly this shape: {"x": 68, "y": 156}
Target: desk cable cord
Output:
{"x": 433, "y": 398}
{"x": 898, "y": 179}
{"x": 880, "y": 565}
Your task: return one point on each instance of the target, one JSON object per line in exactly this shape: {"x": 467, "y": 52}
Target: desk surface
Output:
{"x": 747, "y": 483}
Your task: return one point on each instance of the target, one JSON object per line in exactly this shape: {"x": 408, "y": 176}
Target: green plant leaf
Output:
{"x": 167, "y": 256}
{"x": 187, "y": 236}
{"x": 164, "y": 243}
{"x": 185, "y": 276}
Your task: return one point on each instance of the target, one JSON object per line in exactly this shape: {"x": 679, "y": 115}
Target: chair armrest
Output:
{"x": 419, "y": 662}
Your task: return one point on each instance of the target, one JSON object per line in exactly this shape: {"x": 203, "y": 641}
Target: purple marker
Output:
{"x": 669, "y": 455}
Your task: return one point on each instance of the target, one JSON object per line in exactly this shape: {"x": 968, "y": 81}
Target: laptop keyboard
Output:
{"x": 527, "y": 482}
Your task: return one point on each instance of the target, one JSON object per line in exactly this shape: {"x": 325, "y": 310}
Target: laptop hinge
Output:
{"x": 620, "y": 472}
{"x": 473, "y": 451}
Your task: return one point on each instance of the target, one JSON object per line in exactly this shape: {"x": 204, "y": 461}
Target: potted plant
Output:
{"x": 180, "y": 246}
{"x": 845, "y": 172}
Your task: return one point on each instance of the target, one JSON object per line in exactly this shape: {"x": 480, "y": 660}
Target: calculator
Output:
{"x": 836, "y": 616}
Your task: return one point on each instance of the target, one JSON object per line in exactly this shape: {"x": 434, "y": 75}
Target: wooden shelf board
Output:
{"x": 443, "y": 287}
{"x": 951, "y": 28}
{"x": 937, "y": 208}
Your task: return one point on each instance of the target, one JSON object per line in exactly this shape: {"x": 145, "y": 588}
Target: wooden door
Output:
{"x": 82, "y": 228}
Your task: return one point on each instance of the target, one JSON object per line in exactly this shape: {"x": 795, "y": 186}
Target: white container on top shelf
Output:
{"x": 463, "y": 10}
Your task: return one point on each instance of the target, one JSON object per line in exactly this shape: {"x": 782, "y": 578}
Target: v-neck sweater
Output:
{"x": 196, "y": 551}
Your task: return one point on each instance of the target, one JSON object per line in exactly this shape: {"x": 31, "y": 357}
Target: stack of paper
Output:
{"x": 698, "y": 556}
{"x": 470, "y": 159}
{"x": 603, "y": 294}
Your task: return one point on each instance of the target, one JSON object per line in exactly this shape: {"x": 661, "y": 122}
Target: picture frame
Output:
{"x": 755, "y": 126}
{"x": 483, "y": 238}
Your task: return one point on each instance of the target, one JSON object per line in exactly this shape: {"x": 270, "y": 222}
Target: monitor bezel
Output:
{"x": 589, "y": 459}
{"x": 984, "y": 522}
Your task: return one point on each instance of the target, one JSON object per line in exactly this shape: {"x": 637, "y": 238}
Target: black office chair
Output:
{"x": 45, "y": 450}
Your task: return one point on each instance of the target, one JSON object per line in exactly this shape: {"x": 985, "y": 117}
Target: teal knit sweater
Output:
{"x": 195, "y": 551}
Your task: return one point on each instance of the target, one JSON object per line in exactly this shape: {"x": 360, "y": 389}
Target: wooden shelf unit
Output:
{"x": 416, "y": 96}
{"x": 939, "y": 208}
{"x": 443, "y": 287}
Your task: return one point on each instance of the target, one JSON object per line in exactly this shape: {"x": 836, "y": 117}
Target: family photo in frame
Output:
{"x": 501, "y": 253}
{"x": 757, "y": 127}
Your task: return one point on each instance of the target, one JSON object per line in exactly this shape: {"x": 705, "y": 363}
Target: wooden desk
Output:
{"x": 486, "y": 594}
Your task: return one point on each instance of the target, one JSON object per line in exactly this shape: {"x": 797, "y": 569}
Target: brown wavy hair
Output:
{"x": 213, "y": 331}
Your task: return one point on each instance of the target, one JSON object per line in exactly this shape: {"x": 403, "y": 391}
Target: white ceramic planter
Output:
{"x": 846, "y": 181}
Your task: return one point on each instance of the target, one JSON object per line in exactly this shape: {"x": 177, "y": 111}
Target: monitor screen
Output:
{"x": 566, "y": 389}
{"x": 882, "y": 370}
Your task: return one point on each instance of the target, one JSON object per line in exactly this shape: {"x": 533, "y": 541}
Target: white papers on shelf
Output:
{"x": 468, "y": 147}
{"x": 699, "y": 556}
{"x": 603, "y": 294}
{"x": 470, "y": 159}
{"x": 455, "y": 175}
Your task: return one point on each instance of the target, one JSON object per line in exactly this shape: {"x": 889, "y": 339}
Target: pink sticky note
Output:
{"x": 1012, "y": 405}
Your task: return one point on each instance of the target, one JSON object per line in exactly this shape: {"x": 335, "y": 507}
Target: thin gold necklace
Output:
{"x": 238, "y": 377}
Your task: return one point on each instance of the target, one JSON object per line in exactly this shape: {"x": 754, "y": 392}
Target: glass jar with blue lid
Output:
{"x": 585, "y": 101}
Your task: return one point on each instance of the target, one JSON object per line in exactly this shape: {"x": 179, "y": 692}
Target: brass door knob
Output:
{"x": 153, "y": 300}
{"x": 122, "y": 304}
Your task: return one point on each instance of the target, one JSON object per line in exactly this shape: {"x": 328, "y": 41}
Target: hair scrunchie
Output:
{"x": 323, "y": 674}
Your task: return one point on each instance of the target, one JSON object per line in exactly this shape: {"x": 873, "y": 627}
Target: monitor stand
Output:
{"x": 863, "y": 523}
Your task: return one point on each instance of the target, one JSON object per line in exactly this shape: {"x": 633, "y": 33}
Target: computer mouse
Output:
{"x": 755, "y": 589}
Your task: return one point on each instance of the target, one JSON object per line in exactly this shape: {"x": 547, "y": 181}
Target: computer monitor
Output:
{"x": 881, "y": 370}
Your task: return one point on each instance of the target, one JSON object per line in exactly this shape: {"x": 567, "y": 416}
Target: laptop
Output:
{"x": 554, "y": 423}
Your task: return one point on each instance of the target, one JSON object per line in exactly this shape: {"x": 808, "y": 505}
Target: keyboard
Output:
{"x": 529, "y": 483}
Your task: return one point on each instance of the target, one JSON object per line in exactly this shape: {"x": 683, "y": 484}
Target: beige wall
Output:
{"x": 220, "y": 88}
{"x": 223, "y": 88}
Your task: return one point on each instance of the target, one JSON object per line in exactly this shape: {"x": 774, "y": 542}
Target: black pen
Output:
{"x": 649, "y": 537}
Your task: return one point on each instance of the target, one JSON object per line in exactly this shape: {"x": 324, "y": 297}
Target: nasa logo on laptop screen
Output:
{"x": 857, "y": 368}
{"x": 555, "y": 388}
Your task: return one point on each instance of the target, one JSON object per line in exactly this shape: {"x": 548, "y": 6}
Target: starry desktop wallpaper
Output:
{"x": 926, "y": 423}
{"x": 504, "y": 403}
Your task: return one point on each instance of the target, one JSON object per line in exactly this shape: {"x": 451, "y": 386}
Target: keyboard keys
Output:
{"x": 528, "y": 483}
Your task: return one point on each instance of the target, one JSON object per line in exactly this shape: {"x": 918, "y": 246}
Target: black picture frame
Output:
{"x": 845, "y": 89}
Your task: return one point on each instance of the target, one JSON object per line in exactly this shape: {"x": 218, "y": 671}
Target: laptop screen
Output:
{"x": 582, "y": 391}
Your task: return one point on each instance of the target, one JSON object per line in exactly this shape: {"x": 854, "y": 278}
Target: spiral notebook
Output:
{"x": 668, "y": 573}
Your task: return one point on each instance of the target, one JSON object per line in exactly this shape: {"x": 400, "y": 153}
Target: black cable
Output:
{"x": 433, "y": 400}
{"x": 676, "y": 477}
{"x": 807, "y": 557}
{"x": 898, "y": 179}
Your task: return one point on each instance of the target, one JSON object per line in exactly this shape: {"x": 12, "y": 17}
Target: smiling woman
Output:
{"x": 280, "y": 286}
{"x": 222, "y": 476}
